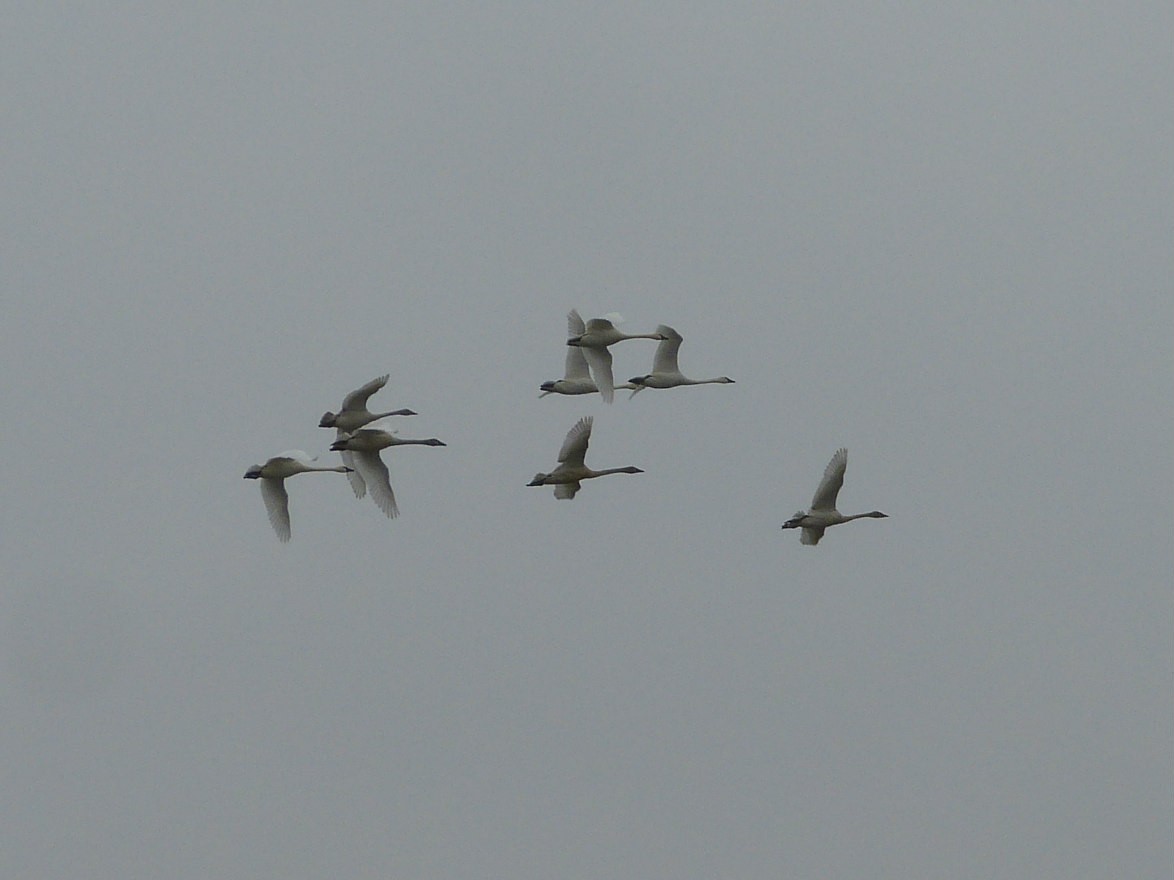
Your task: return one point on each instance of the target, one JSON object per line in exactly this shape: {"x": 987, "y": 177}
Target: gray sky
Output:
{"x": 938, "y": 236}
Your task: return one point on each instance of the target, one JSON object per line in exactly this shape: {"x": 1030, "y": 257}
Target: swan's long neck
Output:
{"x": 720, "y": 380}
{"x": 872, "y": 514}
{"x": 618, "y": 470}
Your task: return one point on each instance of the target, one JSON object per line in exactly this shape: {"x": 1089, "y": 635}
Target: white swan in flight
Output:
{"x": 823, "y": 511}
{"x": 351, "y": 417}
{"x": 571, "y": 470}
{"x": 576, "y": 377}
{"x": 272, "y": 475}
{"x": 363, "y": 448}
{"x": 597, "y": 335}
{"x": 665, "y": 372}
{"x": 354, "y": 413}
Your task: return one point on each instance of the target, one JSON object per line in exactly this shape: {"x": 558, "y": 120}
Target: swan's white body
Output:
{"x": 571, "y": 470}
{"x": 272, "y": 475}
{"x": 823, "y": 511}
{"x": 576, "y": 376}
{"x": 362, "y": 447}
{"x": 665, "y": 372}
{"x": 597, "y": 335}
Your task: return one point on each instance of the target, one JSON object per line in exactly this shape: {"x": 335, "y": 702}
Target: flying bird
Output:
{"x": 665, "y": 372}
{"x": 354, "y": 413}
{"x": 571, "y": 470}
{"x": 597, "y": 335}
{"x": 272, "y": 475}
{"x": 363, "y": 449}
{"x": 823, "y": 511}
{"x": 576, "y": 376}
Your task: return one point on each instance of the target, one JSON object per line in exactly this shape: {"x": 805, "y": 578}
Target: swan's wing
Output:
{"x": 599, "y": 359}
{"x": 575, "y": 326}
{"x": 375, "y": 474}
{"x": 565, "y": 491}
{"x": 298, "y": 455}
{"x": 357, "y": 399}
{"x": 575, "y": 446}
{"x": 810, "y": 535}
{"x": 576, "y": 366}
{"x": 829, "y": 486}
{"x": 277, "y": 505}
{"x": 364, "y": 435}
{"x": 665, "y": 359}
{"x": 358, "y": 484}
{"x": 595, "y": 325}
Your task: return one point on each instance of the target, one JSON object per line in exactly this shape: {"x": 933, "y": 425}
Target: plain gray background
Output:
{"x": 937, "y": 234}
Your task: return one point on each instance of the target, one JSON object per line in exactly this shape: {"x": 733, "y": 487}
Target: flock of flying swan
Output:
{"x": 359, "y": 447}
{"x": 588, "y": 371}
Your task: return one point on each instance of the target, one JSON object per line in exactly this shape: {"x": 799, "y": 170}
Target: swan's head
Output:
{"x": 432, "y": 441}
{"x": 253, "y": 473}
{"x": 548, "y": 387}
{"x": 575, "y": 340}
{"x": 327, "y": 420}
{"x": 726, "y": 380}
{"x": 876, "y": 514}
{"x": 539, "y": 480}
{"x": 796, "y": 521}
{"x": 340, "y": 444}
{"x": 638, "y": 380}
{"x": 630, "y": 470}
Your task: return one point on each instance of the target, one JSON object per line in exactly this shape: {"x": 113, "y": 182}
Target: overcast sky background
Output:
{"x": 939, "y": 236}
